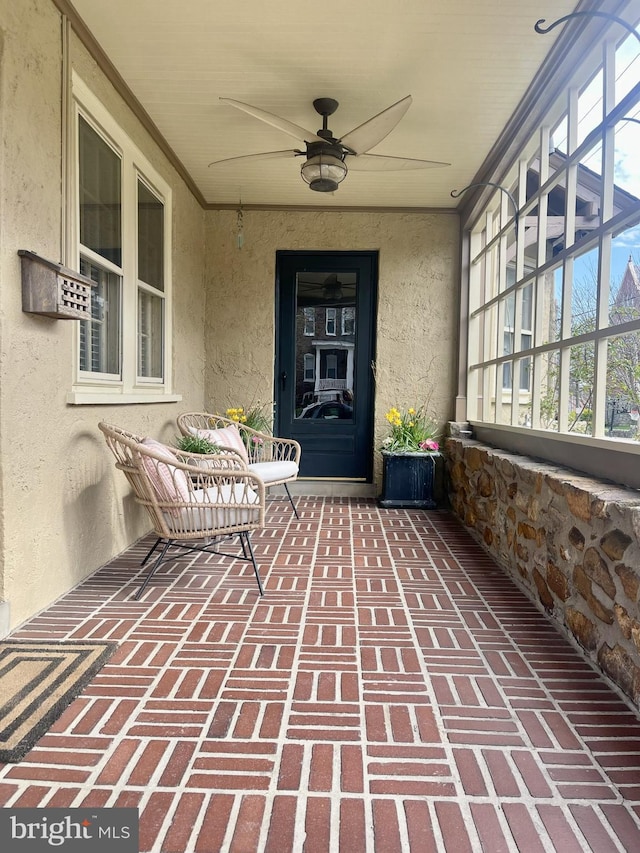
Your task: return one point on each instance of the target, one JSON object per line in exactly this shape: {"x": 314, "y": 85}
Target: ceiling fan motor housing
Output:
{"x": 324, "y": 168}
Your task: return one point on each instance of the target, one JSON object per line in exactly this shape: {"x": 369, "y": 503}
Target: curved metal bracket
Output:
{"x": 516, "y": 213}
{"x": 543, "y": 30}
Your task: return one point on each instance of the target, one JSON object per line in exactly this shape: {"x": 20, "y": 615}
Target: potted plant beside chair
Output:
{"x": 194, "y": 447}
{"x": 409, "y": 455}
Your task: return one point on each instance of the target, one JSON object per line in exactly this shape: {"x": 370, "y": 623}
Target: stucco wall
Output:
{"x": 417, "y": 301}
{"x": 62, "y": 510}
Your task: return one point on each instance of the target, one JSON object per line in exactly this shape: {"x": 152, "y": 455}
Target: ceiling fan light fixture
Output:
{"x": 323, "y": 172}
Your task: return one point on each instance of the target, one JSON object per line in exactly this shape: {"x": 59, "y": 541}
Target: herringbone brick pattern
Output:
{"x": 393, "y": 691}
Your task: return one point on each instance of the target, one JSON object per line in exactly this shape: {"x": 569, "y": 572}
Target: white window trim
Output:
{"x": 91, "y": 389}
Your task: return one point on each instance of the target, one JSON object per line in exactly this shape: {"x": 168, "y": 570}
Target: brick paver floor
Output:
{"x": 392, "y": 691}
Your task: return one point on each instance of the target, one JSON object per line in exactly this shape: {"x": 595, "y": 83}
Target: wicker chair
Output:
{"x": 275, "y": 460}
{"x": 192, "y": 503}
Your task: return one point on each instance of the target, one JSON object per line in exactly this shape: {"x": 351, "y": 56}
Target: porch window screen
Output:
{"x": 554, "y": 303}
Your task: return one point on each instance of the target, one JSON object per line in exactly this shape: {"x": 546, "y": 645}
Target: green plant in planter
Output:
{"x": 196, "y": 444}
{"x": 258, "y": 416}
{"x": 412, "y": 431}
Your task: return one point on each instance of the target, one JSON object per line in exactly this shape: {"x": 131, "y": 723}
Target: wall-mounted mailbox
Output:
{"x": 53, "y": 290}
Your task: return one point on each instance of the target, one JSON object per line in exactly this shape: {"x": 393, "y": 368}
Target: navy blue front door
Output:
{"x": 324, "y": 353}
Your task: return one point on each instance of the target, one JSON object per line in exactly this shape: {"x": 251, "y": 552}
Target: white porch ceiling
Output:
{"x": 467, "y": 65}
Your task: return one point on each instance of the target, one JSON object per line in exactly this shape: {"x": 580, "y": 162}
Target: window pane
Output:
{"x": 584, "y": 295}
{"x": 556, "y": 212}
{"x": 324, "y": 373}
{"x": 626, "y": 173}
{"x": 625, "y": 276}
{"x": 581, "y": 367}
{"x": 150, "y": 310}
{"x": 623, "y": 384}
{"x": 309, "y": 315}
{"x": 348, "y": 321}
{"x": 150, "y": 238}
{"x": 552, "y": 305}
{"x": 100, "y": 336}
{"x": 527, "y": 307}
{"x": 589, "y": 193}
{"x": 559, "y": 140}
{"x": 100, "y": 195}
{"x": 627, "y": 66}
{"x": 309, "y": 367}
{"x": 549, "y": 389}
{"x": 525, "y": 373}
{"x": 590, "y": 107}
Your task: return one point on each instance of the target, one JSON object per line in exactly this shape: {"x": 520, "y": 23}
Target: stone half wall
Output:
{"x": 571, "y": 542}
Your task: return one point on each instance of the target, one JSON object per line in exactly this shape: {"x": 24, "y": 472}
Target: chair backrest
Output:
{"x": 258, "y": 446}
{"x": 221, "y": 431}
{"x": 186, "y": 501}
{"x": 125, "y": 447}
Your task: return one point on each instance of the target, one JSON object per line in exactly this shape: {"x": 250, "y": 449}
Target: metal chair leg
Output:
{"x": 153, "y": 568}
{"x": 151, "y": 550}
{"x": 286, "y": 488}
{"x": 245, "y": 537}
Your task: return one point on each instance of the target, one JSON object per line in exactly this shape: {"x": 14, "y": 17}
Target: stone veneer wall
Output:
{"x": 571, "y": 542}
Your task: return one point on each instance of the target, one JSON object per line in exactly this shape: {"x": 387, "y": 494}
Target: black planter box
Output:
{"x": 408, "y": 480}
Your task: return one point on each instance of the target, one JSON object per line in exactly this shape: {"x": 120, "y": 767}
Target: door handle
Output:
{"x": 283, "y": 379}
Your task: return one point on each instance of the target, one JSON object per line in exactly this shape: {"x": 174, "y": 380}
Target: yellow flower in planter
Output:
{"x": 258, "y": 416}
{"x": 411, "y": 431}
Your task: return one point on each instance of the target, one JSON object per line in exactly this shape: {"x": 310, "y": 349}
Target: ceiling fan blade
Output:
{"x": 282, "y": 124}
{"x": 379, "y": 163}
{"x": 367, "y": 135}
{"x": 266, "y": 155}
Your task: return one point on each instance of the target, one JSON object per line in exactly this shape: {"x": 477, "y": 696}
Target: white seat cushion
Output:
{"x": 272, "y": 472}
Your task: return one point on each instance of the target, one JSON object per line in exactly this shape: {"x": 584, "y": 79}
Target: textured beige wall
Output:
{"x": 61, "y": 498}
{"x": 417, "y": 301}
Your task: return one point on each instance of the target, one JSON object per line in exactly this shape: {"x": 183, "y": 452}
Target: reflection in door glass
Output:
{"x": 325, "y": 345}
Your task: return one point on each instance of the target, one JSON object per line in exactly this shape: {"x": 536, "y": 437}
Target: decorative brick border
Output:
{"x": 571, "y": 542}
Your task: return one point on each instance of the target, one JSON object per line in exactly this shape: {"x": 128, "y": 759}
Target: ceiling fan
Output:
{"x": 327, "y": 158}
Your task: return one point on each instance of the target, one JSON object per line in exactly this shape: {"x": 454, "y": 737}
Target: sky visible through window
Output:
{"x": 627, "y": 149}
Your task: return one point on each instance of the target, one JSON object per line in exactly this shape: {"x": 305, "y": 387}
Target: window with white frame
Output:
{"x": 309, "y": 367}
{"x": 330, "y": 321}
{"x": 121, "y": 242}
{"x": 331, "y": 366}
{"x": 309, "y": 327}
{"x": 554, "y": 298}
{"x": 349, "y": 320}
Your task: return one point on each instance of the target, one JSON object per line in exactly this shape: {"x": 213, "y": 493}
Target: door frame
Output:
{"x": 369, "y": 317}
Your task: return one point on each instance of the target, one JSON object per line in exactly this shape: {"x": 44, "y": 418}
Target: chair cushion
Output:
{"x": 244, "y": 510}
{"x": 224, "y": 437}
{"x": 170, "y": 483}
{"x": 274, "y": 472}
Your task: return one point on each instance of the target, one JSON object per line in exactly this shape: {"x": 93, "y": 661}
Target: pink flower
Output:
{"x": 429, "y": 444}
{"x": 257, "y": 440}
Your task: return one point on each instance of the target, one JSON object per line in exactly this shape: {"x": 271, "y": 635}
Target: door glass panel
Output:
{"x": 325, "y": 345}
